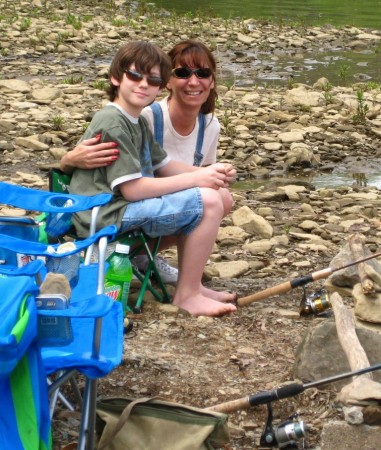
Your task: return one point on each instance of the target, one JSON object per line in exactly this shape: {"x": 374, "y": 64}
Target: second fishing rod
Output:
{"x": 287, "y": 286}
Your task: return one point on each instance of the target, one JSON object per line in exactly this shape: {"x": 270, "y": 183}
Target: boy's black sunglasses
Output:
{"x": 137, "y": 76}
{"x": 187, "y": 72}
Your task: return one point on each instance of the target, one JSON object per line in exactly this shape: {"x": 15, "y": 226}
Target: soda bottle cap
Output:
{"x": 122, "y": 248}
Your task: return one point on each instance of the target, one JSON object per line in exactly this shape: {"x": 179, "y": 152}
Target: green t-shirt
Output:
{"x": 139, "y": 155}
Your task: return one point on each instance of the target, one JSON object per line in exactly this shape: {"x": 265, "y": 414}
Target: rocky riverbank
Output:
{"x": 52, "y": 83}
{"x": 53, "y": 71}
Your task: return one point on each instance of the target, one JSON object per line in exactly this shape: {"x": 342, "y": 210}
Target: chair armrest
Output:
{"x": 92, "y": 307}
{"x": 40, "y": 249}
{"x": 31, "y": 269}
{"x": 37, "y": 200}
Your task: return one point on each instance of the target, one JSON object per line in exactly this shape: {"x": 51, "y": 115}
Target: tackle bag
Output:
{"x": 22, "y": 228}
{"x": 153, "y": 424}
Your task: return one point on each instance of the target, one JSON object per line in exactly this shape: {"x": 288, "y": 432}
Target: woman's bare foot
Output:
{"x": 219, "y": 296}
{"x": 199, "y": 305}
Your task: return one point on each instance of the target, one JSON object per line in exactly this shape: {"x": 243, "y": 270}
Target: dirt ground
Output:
{"x": 203, "y": 362}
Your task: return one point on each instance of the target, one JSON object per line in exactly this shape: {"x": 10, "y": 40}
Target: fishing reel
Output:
{"x": 286, "y": 435}
{"x": 315, "y": 304}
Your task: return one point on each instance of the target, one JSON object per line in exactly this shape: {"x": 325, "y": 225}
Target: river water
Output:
{"x": 359, "y": 13}
{"x": 360, "y": 66}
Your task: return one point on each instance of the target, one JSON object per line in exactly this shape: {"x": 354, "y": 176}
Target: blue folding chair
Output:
{"x": 87, "y": 335}
{"x": 24, "y": 416}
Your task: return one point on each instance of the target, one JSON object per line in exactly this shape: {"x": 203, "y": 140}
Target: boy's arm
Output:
{"x": 176, "y": 167}
{"x": 170, "y": 180}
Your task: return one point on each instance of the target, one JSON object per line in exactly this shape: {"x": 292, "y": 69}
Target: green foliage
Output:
{"x": 328, "y": 96}
{"x": 371, "y": 86}
{"x": 74, "y": 21}
{"x": 280, "y": 24}
{"x": 362, "y": 108}
{"x": 100, "y": 84}
{"x": 118, "y": 22}
{"x": 343, "y": 73}
{"x": 290, "y": 82}
{"x": 227, "y": 124}
{"x": 25, "y": 24}
{"x": 58, "y": 123}
{"x": 97, "y": 50}
{"x": 304, "y": 108}
{"x": 73, "y": 79}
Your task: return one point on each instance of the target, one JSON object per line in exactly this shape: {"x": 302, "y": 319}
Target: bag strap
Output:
{"x": 200, "y": 140}
{"x": 123, "y": 418}
{"x": 158, "y": 122}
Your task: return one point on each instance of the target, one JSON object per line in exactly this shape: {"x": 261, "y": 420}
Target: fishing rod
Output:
{"x": 286, "y": 434}
{"x": 298, "y": 282}
{"x": 286, "y": 391}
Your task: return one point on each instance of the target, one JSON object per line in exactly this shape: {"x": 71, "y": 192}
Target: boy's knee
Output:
{"x": 212, "y": 199}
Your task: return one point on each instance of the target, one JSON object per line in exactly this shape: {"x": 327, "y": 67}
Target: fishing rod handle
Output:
{"x": 266, "y": 293}
{"x": 232, "y": 406}
{"x": 261, "y": 398}
{"x": 284, "y": 287}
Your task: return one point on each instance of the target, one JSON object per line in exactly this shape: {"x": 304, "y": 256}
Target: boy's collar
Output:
{"x": 124, "y": 112}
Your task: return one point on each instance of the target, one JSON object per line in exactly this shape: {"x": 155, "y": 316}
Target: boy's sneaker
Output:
{"x": 167, "y": 273}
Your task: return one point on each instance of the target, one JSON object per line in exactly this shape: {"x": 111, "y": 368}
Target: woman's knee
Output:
{"x": 227, "y": 200}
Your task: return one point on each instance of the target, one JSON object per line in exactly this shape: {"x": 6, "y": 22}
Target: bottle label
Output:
{"x": 118, "y": 292}
{"x": 23, "y": 260}
{"x": 113, "y": 290}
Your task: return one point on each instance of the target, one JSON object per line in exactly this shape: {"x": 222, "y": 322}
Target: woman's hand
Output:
{"x": 212, "y": 176}
{"x": 90, "y": 155}
{"x": 231, "y": 173}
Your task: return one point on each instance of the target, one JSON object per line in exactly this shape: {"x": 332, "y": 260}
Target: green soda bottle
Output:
{"x": 119, "y": 275}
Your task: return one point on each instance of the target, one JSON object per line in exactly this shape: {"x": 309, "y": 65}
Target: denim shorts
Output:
{"x": 168, "y": 215}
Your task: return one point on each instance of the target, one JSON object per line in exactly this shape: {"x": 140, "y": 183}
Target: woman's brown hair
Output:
{"x": 192, "y": 53}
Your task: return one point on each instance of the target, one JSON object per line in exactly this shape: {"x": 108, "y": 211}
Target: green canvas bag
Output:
{"x": 152, "y": 424}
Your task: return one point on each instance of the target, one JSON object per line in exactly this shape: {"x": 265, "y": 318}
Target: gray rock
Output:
{"x": 367, "y": 307}
{"x": 15, "y": 85}
{"x": 252, "y": 223}
{"x": 319, "y": 355}
{"x": 342, "y": 436}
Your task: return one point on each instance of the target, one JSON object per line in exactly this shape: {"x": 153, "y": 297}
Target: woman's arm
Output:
{"x": 90, "y": 155}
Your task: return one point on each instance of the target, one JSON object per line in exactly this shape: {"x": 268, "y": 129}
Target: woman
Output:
{"x": 183, "y": 123}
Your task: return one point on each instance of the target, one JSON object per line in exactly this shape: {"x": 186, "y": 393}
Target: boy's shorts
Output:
{"x": 167, "y": 215}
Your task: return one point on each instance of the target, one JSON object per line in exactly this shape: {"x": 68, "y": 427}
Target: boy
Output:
{"x": 179, "y": 202}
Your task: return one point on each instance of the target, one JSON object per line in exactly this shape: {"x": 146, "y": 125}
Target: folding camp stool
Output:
{"x": 139, "y": 244}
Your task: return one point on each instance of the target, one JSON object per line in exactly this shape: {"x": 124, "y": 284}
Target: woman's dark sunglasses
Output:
{"x": 187, "y": 72}
{"x": 136, "y": 76}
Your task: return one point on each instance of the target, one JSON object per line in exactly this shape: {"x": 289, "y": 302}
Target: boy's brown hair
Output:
{"x": 193, "y": 53}
{"x": 145, "y": 56}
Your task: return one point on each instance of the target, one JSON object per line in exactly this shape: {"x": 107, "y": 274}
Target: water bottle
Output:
{"x": 119, "y": 275}
{"x": 58, "y": 223}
